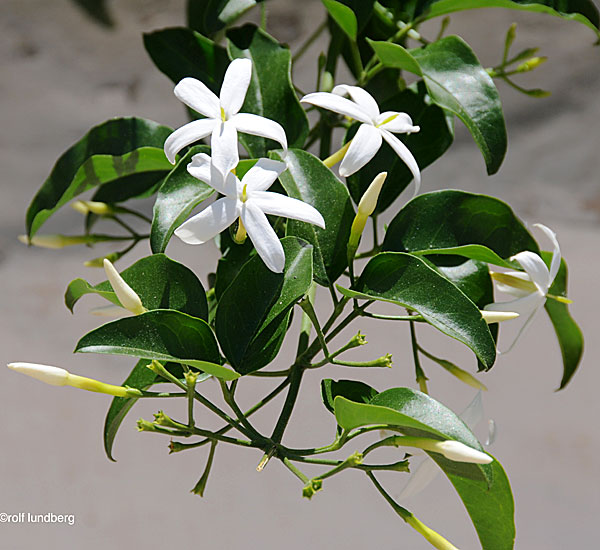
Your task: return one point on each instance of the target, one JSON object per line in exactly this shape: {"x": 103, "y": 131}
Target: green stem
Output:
{"x": 295, "y": 471}
{"x": 228, "y": 395}
{"x": 420, "y": 374}
{"x": 402, "y": 512}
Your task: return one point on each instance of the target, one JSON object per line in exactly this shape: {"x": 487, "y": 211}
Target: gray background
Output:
{"x": 61, "y": 75}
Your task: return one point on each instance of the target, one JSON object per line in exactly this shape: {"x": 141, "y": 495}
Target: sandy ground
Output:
{"x": 61, "y": 75}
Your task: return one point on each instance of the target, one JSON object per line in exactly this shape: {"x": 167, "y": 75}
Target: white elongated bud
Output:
{"x": 52, "y": 241}
{"x": 459, "y": 452}
{"x": 54, "y": 376}
{"x": 368, "y": 202}
{"x": 498, "y": 316}
{"x": 126, "y": 295}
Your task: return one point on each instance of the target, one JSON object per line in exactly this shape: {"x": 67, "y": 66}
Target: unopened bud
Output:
{"x": 326, "y": 82}
{"x": 498, "y": 316}
{"x": 99, "y": 262}
{"x": 356, "y": 341}
{"x": 531, "y": 64}
{"x": 53, "y": 241}
{"x": 94, "y": 207}
{"x": 434, "y": 538}
{"x": 459, "y": 452}
{"x": 126, "y": 295}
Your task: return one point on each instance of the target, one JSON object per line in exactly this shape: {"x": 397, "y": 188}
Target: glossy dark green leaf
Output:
{"x": 161, "y": 283}
{"x": 457, "y": 82}
{"x": 473, "y": 252}
{"x": 179, "y": 194}
{"x": 142, "y": 378}
{"x": 350, "y": 389}
{"x": 253, "y": 312}
{"x": 109, "y": 152}
{"x": 133, "y": 186}
{"x": 209, "y": 16}
{"x": 271, "y": 92}
{"x": 409, "y": 282}
{"x": 162, "y": 334}
{"x": 583, "y": 11}
{"x": 179, "y": 52}
{"x": 427, "y": 145}
{"x": 309, "y": 180}
{"x": 492, "y": 509}
{"x": 231, "y": 262}
{"x": 343, "y": 16}
{"x": 568, "y": 333}
{"x": 362, "y": 9}
{"x": 417, "y": 415}
{"x": 449, "y": 219}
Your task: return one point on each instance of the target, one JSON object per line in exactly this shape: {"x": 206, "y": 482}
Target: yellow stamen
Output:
{"x": 245, "y": 193}
{"x": 223, "y": 115}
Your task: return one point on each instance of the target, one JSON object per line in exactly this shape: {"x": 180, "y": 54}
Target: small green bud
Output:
{"x": 511, "y": 33}
{"x": 357, "y": 340}
{"x": 531, "y": 64}
{"x": 94, "y": 207}
{"x": 326, "y": 82}
{"x": 161, "y": 419}
{"x": 99, "y": 262}
{"x": 145, "y": 426}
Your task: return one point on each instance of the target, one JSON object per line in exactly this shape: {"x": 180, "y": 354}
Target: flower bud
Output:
{"x": 126, "y": 295}
{"x": 99, "y": 262}
{"x": 434, "y": 538}
{"x": 53, "y": 241}
{"x": 459, "y": 452}
{"x": 498, "y": 316}
{"x": 94, "y": 207}
{"x": 531, "y": 64}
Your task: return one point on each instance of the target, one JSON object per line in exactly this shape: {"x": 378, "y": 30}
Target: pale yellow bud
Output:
{"x": 95, "y": 207}
{"x": 498, "y": 316}
{"x": 368, "y": 202}
{"x": 434, "y": 538}
{"x": 52, "y": 241}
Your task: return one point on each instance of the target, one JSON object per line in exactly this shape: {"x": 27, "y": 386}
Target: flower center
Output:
{"x": 223, "y": 115}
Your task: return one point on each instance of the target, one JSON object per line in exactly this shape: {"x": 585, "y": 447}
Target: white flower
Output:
{"x": 375, "y": 127}
{"x": 223, "y": 119}
{"x": 459, "y": 452}
{"x": 249, "y": 201}
{"x": 530, "y": 288}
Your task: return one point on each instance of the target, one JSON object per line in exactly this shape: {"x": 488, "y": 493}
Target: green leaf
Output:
{"x": 409, "y": 282}
{"x": 142, "y": 378}
{"x": 210, "y": 16}
{"x": 162, "y": 334}
{"x": 179, "y": 52}
{"x": 253, "y": 312}
{"x": 419, "y": 415}
{"x": 448, "y": 219}
{"x": 568, "y": 333}
{"x": 350, "y": 389}
{"x": 492, "y": 509}
{"x": 457, "y": 82}
{"x": 161, "y": 283}
{"x": 471, "y": 251}
{"x": 230, "y": 263}
{"x": 309, "y": 180}
{"x": 582, "y": 11}
{"x": 109, "y": 152}
{"x": 271, "y": 92}
{"x": 427, "y": 145}
{"x": 179, "y": 194}
{"x": 343, "y": 16}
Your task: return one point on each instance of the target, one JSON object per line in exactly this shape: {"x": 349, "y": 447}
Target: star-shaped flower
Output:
{"x": 249, "y": 201}
{"x": 375, "y": 127}
{"x": 223, "y": 119}
{"x": 530, "y": 288}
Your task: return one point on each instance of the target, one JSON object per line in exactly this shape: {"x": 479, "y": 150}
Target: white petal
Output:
{"x": 186, "y": 135}
{"x": 403, "y": 152}
{"x": 200, "y": 167}
{"x": 260, "y": 126}
{"x": 280, "y": 205}
{"x": 361, "y": 97}
{"x": 235, "y": 85}
{"x": 365, "y": 144}
{"x": 55, "y": 376}
{"x": 211, "y": 221}
{"x": 398, "y": 123}
{"x": 263, "y": 237}
{"x": 535, "y": 267}
{"x": 197, "y": 96}
{"x": 337, "y": 104}
{"x": 556, "y": 255}
{"x": 224, "y": 148}
{"x": 126, "y": 295}
{"x": 262, "y": 175}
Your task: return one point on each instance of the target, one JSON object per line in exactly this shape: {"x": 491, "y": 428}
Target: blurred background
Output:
{"x": 63, "y": 74}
